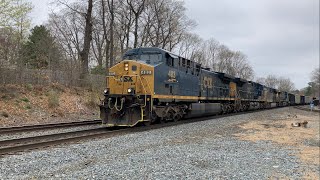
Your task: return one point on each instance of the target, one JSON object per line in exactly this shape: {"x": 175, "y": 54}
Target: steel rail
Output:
{"x": 36, "y": 142}
{"x": 307, "y": 108}
{"x": 46, "y": 126}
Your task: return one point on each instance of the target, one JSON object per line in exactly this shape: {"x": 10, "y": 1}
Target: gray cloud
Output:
{"x": 279, "y": 37}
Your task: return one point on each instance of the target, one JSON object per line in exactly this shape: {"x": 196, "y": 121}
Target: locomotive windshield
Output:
{"x": 131, "y": 56}
{"x": 147, "y": 57}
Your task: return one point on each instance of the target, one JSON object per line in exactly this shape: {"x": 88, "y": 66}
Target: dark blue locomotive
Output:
{"x": 152, "y": 84}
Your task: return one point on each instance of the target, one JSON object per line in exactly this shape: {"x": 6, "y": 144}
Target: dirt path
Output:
{"x": 278, "y": 128}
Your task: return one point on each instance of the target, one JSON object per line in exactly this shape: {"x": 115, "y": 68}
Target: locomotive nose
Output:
{"x": 130, "y": 85}
{"x": 130, "y": 78}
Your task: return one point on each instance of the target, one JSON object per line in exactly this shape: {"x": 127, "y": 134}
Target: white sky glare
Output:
{"x": 279, "y": 37}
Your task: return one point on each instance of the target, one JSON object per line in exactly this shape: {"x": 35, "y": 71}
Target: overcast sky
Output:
{"x": 280, "y": 37}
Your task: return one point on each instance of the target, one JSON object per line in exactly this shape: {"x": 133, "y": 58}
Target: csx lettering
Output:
{"x": 207, "y": 82}
{"x": 126, "y": 79}
{"x": 172, "y": 75}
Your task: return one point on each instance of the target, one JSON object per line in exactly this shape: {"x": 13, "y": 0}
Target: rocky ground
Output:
{"x": 260, "y": 145}
{"x": 28, "y": 104}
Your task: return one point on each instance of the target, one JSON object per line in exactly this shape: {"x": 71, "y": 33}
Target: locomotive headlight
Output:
{"x": 130, "y": 90}
{"x": 126, "y": 67}
{"x": 106, "y": 92}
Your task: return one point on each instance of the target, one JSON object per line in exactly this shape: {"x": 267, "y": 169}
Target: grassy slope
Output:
{"x": 22, "y": 105}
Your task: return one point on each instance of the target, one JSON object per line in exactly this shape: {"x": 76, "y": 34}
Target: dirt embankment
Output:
{"x": 281, "y": 130}
{"x": 25, "y": 105}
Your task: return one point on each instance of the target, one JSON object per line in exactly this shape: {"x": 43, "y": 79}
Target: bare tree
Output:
{"x": 112, "y": 17}
{"x": 315, "y": 83}
{"x": 260, "y": 80}
{"x": 285, "y": 84}
{"x": 165, "y": 24}
{"x": 219, "y": 57}
{"x": 98, "y": 36}
{"x": 84, "y": 54}
{"x": 65, "y": 28}
{"x": 124, "y": 25}
{"x": 225, "y": 56}
{"x": 190, "y": 45}
{"x": 137, "y": 7}
{"x": 241, "y": 67}
{"x": 271, "y": 81}
{"x": 315, "y": 76}
{"x": 211, "y": 52}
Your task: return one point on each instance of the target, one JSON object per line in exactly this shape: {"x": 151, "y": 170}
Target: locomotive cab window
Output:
{"x": 183, "y": 62}
{"x": 191, "y": 66}
{"x": 169, "y": 59}
{"x": 150, "y": 58}
{"x": 131, "y": 57}
{"x": 198, "y": 67}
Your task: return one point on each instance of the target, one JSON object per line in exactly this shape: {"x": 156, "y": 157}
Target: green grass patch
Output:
{"x": 25, "y": 99}
{"x": 53, "y": 99}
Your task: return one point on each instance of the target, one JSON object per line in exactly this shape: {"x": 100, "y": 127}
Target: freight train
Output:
{"x": 154, "y": 85}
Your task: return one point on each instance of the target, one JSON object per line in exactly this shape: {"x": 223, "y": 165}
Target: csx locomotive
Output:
{"x": 151, "y": 85}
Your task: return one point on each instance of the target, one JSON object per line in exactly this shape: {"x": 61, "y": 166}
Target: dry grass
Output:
{"x": 92, "y": 100}
{"x": 310, "y": 175}
{"x": 44, "y": 104}
{"x": 53, "y": 99}
{"x": 281, "y": 132}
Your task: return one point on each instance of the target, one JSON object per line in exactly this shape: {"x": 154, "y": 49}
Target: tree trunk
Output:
{"x": 111, "y": 8}
{"x": 105, "y": 35}
{"x": 84, "y": 54}
{"x": 136, "y": 31}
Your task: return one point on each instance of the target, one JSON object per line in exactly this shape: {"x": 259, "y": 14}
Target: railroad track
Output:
{"x": 13, "y": 146}
{"x": 47, "y": 126}
{"x": 306, "y": 108}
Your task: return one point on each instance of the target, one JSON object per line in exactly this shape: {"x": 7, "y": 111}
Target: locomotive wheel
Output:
{"x": 163, "y": 120}
{"x": 224, "y": 109}
{"x": 147, "y": 123}
{"x": 177, "y": 117}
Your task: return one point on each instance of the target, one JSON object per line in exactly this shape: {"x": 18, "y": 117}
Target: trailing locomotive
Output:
{"x": 151, "y": 85}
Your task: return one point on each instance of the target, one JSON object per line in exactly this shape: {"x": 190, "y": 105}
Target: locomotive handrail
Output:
{"x": 109, "y": 102}
{"x": 145, "y": 94}
{"x": 116, "y": 104}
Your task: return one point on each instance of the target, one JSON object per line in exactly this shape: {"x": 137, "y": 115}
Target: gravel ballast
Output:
{"x": 201, "y": 150}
